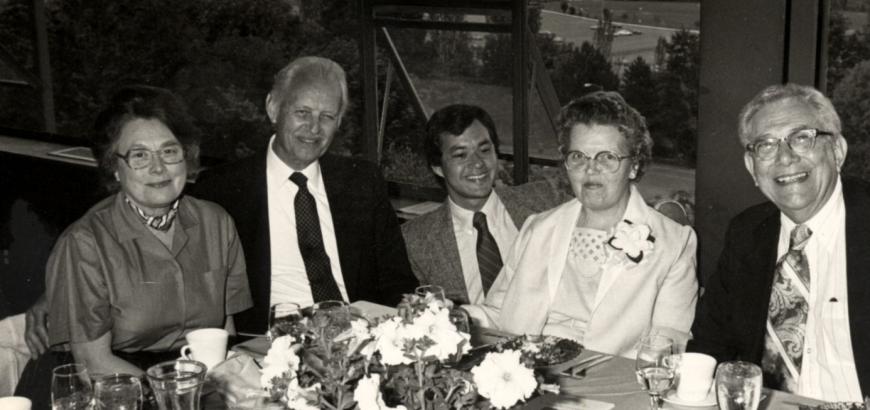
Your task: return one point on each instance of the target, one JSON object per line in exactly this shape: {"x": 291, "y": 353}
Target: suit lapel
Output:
{"x": 857, "y": 261}
{"x": 444, "y": 245}
{"x": 342, "y": 208}
{"x": 762, "y": 262}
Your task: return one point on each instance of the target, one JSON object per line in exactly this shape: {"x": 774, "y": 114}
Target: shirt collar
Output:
{"x": 463, "y": 219}
{"x": 129, "y": 225}
{"x": 824, "y": 224}
{"x": 278, "y": 173}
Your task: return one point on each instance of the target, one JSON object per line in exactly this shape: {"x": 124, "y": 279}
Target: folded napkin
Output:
{"x": 237, "y": 379}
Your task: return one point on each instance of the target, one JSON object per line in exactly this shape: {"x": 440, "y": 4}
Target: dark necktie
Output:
{"x": 787, "y": 315}
{"x": 488, "y": 256}
{"x": 323, "y": 286}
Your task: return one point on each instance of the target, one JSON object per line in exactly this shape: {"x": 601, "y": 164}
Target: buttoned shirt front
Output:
{"x": 289, "y": 279}
{"x": 502, "y": 228}
{"x": 828, "y": 367}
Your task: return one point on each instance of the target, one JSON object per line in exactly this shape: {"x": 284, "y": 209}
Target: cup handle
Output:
{"x": 185, "y": 352}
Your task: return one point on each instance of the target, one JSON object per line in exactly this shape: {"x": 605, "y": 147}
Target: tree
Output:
{"x": 851, "y": 98}
{"x": 845, "y": 50}
{"x": 639, "y": 87}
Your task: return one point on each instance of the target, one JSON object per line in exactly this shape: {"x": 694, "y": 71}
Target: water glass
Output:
{"x": 177, "y": 384}
{"x": 654, "y": 366}
{"x": 284, "y": 319}
{"x": 738, "y": 385}
{"x": 118, "y": 392}
{"x": 70, "y": 387}
{"x": 436, "y": 291}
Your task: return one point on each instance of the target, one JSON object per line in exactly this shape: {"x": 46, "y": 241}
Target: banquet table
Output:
{"x": 610, "y": 383}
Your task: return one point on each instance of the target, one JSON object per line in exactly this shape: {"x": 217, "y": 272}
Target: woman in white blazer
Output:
{"x": 605, "y": 267}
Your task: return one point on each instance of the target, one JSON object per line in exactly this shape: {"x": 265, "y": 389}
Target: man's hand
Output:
{"x": 36, "y": 333}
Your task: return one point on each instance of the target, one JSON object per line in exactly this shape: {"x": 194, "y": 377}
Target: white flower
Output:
{"x": 299, "y": 398}
{"x": 436, "y": 325}
{"x": 633, "y": 239}
{"x": 503, "y": 379}
{"x": 368, "y": 394}
{"x": 390, "y": 341}
{"x": 280, "y": 359}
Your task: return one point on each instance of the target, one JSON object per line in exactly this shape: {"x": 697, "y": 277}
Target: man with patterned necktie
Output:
{"x": 313, "y": 226}
{"x": 460, "y": 245}
{"x": 791, "y": 290}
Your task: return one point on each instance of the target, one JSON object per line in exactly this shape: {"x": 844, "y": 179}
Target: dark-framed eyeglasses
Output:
{"x": 607, "y": 161}
{"x": 139, "y": 158}
{"x": 801, "y": 142}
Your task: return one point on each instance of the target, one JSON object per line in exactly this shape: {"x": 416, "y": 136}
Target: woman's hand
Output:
{"x": 97, "y": 356}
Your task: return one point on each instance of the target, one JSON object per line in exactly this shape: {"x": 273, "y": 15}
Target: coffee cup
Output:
{"x": 208, "y": 346}
{"x": 15, "y": 403}
{"x": 695, "y": 372}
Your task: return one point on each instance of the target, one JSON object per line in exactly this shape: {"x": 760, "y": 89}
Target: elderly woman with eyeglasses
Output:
{"x": 145, "y": 266}
{"x": 604, "y": 268}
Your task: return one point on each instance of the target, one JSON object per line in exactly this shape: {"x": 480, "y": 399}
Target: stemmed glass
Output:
{"x": 70, "y": 387}
{"x": 738, "y": 385}
{"x": 331, "y": 318}
{"x": 284, "y": 319}
{"x": 655, "y": 371}
{"x": 458, "y": 317}
{"x": 118, "y": 392}
{"x": 436, "y": 291}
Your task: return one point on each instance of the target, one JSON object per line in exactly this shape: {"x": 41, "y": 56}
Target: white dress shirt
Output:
{"x": 500, "y": 225}
{"x": 828, "y": 368}
{"x": 289, "y": 280}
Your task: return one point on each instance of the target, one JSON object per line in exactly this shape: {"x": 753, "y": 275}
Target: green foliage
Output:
{"x": 844, "y": 50}
{"x": 852, "y": 101}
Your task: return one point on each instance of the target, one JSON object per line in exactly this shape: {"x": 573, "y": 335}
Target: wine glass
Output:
{"x": 436, "y": 291}
{"x": 738, "y": 385}
{"x": 118, "y": 392}
{"x": 70, "y": 387}
{"x": 655, "y": 371}
{"x": 284, "y": 319}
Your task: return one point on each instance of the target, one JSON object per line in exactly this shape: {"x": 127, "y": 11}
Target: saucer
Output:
{"x": 708, "y": 401}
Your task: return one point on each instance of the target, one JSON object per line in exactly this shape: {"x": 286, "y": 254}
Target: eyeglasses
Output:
{"x": 607, "y": 161}
{"x": 139, "y": 158}
{"x": 800, "y": 141}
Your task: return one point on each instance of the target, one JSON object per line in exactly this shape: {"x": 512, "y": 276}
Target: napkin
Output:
{"x": 237, "y": 379}
{"x": 579, "y": 403}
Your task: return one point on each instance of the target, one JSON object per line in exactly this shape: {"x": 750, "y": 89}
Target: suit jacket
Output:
{"x": 431, "y": 241}
{"x": 659, "y": 292}
{"x": 370, "y": 246}
{"x": 730, "y": 322}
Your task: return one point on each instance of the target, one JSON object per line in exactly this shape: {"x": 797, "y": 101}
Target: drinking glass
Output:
{"x": 331, "y": 318}
{"x": 118, "y": 392}
{"x": 738, "y": 385}
{"x": 284, "y": 319}
{"x": 177, "y": 384}
{"x": 655, "y": 369}
{"x": 436, "y": 291}
{"x": 70, "y": 387}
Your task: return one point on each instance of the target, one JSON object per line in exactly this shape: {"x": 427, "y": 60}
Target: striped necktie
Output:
{"x": 787, "y": 315}
{"x": 488, "y": 257}
{"x": 323, "y": 286}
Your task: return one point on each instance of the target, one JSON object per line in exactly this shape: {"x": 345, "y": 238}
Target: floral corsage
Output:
{"x": 632, "y": 239}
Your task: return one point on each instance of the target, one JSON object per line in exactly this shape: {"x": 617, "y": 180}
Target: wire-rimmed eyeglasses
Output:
{"x": 801, "y": 142}
{"x": 139, "y": 158}
{"x": 605, "y": 160}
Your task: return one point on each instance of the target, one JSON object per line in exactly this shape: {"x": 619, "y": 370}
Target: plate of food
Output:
{"x": 842, "y": 405}
{"x": 540, "y": 352}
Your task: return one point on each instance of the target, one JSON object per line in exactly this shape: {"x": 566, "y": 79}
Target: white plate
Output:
{"x": 709, "y": 401}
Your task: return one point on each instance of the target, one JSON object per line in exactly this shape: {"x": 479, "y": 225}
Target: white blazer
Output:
{"x": 658, "y": 293}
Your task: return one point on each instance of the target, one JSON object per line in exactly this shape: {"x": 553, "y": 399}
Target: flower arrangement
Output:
{"x": 632, "y": 239}
{"x": 404, "y": 361}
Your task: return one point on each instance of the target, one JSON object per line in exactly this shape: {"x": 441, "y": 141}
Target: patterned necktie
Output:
{"x": 323, "y": 286}
{"x": 787, "y": 315}
{"x": 488, "y": 256}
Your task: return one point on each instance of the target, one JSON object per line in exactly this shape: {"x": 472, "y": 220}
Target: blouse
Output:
{"x": 109, "y": 273}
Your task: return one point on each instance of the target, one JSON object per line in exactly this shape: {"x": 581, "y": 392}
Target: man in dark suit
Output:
{"x": 313, "y": 226}
{"x": 791, "y": 291}
{"x": 445, "y": 245}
